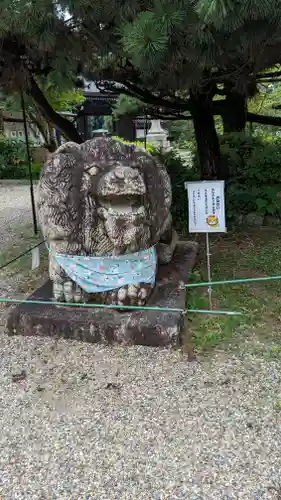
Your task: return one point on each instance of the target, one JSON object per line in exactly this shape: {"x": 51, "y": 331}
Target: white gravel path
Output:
{"x": 103, "y": 423}
{"x": 135, "y": 423}
{"x": 16, "y": 228}
{"x": 15, "y": 209}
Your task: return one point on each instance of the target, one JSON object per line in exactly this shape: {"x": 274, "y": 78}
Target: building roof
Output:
{"x": 92, "y": 87}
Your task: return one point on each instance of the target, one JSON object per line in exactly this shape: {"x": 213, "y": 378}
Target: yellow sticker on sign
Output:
{"x": 212, "y": 220}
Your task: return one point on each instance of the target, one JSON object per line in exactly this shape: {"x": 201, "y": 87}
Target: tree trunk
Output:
{"x": 234, "y": 118}
{"x": 206, "y": 136}
{"x": 66, "y": 128}
{"x": 126, "y": 128}
{"x": 2, "y": 130}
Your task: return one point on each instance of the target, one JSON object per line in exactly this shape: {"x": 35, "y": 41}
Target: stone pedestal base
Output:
{"x": 144, "y": 327}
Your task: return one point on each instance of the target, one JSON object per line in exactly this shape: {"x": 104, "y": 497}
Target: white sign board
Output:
{"x": 206, "y": 208}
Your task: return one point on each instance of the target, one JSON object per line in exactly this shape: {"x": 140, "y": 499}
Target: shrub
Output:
{"x": 254, "y": 160}
{"x": 253, "y": 168}
{"x": 36, "y": 168}
{"x": 140, "y": 143}
{"x": 13, "y": 158}
{"x": 254, "y": 174}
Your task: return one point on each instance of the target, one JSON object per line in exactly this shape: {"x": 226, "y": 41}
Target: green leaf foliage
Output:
{"x": 145, "y": 41}
{"x": 13, "y": 160}
{"x": 163, "y": 45}
{"x": 161, "y": 50}
{"x": 254, "y": 174}
{"x": 126, "y": 105}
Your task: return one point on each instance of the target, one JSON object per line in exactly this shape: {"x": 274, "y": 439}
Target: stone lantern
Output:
{"x": 158, "y": 136}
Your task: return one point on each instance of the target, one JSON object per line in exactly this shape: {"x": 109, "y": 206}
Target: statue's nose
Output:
{"x": 121, "y": 180}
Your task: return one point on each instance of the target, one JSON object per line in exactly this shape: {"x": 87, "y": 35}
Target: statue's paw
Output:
{"x": 133, "y": 295}
{"x": 78, "y": 294}
{"x": 118, "y": 297}
{"x": 58, "y": 293}
{"x": 67, "y": 291}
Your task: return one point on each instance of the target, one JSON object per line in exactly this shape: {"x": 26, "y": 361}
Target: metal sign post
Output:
{"x": 145, "y": 132}
{"x": 209, "y": 270}
{"x": 206, "y": 214}
{"x": 29, "y": 165}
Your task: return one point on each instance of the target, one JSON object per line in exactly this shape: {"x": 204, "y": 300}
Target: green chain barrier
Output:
{"x": 231, "y": 282}
{"x": 82, "y": 304}
{"x": 113, "y": 306}
{"x": 215, "y": 312}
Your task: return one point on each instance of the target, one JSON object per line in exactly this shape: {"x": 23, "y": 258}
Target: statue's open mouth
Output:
{"x": 129, "y": 204}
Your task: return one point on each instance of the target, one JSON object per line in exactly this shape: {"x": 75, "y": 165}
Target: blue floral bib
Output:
{"x": 101, "y": 274}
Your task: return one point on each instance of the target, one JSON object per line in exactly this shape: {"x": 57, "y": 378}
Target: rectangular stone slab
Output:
{"x": 143, "y": 327}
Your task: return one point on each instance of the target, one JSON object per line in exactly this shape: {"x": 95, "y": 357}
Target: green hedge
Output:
{"x": 254, "y": 174}
{"x": 13, "y": 160}
{"x": 253, "y": 167}
{"x": 20, "y": 171}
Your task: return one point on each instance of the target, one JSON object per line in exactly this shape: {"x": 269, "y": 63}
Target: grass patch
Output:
{"x": 242, "y": 255}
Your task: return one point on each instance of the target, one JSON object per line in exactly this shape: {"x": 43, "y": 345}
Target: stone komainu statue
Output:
{"x": 104, "y": 209}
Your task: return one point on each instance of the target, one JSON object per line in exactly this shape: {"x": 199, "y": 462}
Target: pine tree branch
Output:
{"x": 155, "y": 100}
{"x": 273, "y": 80}
{"x": 133, "y": 87}
{"x": 275, "y": 121}
{"x": 270, "y": 75}
{"x": 163, "y": 116}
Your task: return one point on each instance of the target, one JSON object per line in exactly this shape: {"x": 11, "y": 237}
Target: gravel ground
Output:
{"x": 84, "y": 421}
{"x": 15, "y": 209}
{"x": 135, "y": 423}
{"x": 15, "y": 213}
